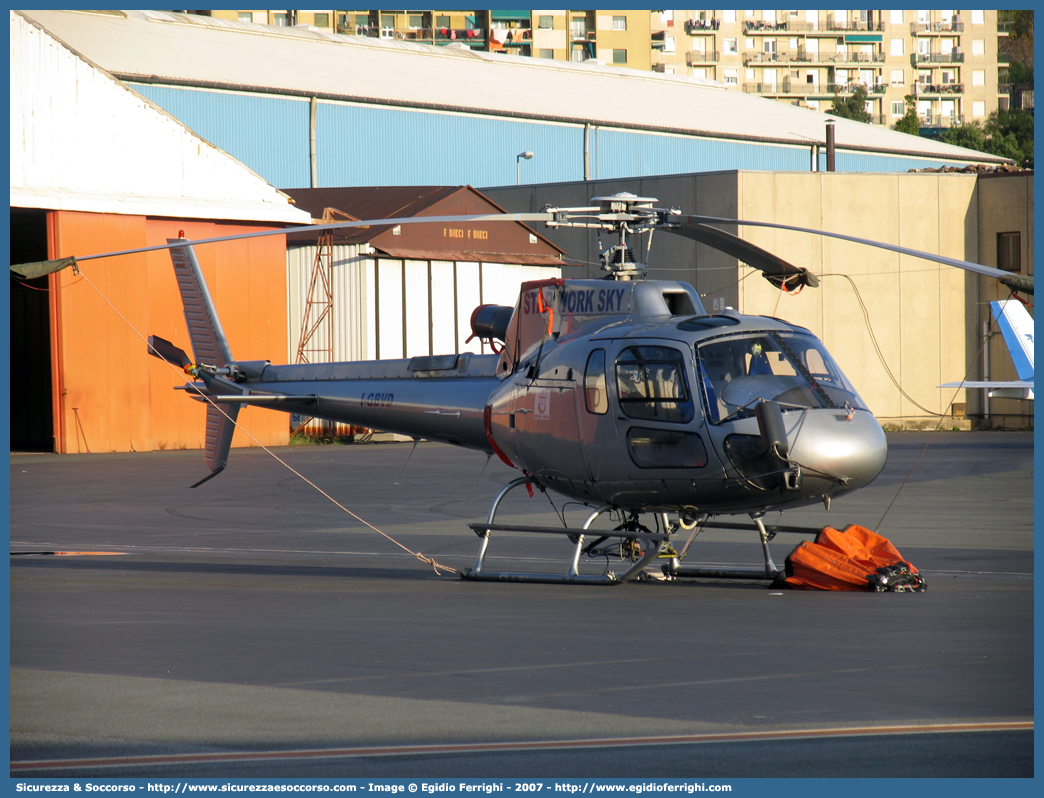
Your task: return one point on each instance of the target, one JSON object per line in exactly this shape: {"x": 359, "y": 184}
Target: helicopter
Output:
{"x": 621, "y": 393}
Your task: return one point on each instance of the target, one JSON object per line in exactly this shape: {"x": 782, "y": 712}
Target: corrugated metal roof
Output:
{"x": 185, "y": 49}
{"x": 88, "y": 143}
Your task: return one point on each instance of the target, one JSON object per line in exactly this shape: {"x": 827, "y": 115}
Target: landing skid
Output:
{"x": 769, "y": 572}
{"x": 649, "y": 544}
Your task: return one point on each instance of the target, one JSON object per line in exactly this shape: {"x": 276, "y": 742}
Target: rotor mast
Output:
{"x": 626, "y": 215}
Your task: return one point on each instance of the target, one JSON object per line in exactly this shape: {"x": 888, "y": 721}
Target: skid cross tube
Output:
{"x": 651, "y": 541}
{"x": 770, "y": 571}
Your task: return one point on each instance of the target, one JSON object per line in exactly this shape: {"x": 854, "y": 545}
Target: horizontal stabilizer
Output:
{"x": 263, "y": 399}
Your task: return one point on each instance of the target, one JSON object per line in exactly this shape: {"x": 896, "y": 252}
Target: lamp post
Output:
{"x": 518, "y": 165}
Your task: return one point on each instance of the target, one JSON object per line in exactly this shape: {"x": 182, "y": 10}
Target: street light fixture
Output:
{"x": 518, "y": 165}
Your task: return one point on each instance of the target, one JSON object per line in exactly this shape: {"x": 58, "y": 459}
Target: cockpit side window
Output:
{"x": 594, "y": 383}
{"x": 652, "y": 385}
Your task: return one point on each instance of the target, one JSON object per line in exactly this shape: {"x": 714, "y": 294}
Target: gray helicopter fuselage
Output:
{"x": 623, "y": 415}
{"x": 630, "y": 405}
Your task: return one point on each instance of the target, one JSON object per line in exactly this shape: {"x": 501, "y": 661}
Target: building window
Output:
{"x": 619, "y": 56}
{"x": 896, "y": 17}
{"x": 978, "y": 47}
{"x": 729, "y": 46}
{"x": 898, "y": 77}
{"x": 416, "y": 22}
{"x": 898, "y": 108}
{"x": 728, "y": 16}
{"x": 731, "y": 77}
{"x": 322, "y": 20}
{"x": 246, "y": 16}
{"x": 282, "y": 20}
{"x": 543, "y": 53}
{"x": 619, "y": 23}
{"x": 978, "y": 17}
{"x": 699, "y": 72}
{"x": 978, "y": 108}
{"x": 897, "y": 47}
{"x": 978, "y": 77}
{"x": 546, "y": 22}
{"x": 442, "y": 22}
{"x": 1009, "y": 252}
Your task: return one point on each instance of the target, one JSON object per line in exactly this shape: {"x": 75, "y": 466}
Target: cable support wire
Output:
{"x": 429, "y": 560}
{"x": 932, "y": 436}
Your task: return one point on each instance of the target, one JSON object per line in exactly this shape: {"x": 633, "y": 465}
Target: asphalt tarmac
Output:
{"x": 253, "y": 627}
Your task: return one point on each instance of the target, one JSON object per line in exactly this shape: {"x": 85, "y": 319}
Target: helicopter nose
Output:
{"x": 850, "y": 446}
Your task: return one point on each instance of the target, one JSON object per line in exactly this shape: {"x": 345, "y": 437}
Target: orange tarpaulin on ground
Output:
{"x": 856, "y": 559}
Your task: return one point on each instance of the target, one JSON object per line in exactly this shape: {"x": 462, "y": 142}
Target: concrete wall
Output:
{"x": 1005, "y": 205}
{"x": 889, "y": 320}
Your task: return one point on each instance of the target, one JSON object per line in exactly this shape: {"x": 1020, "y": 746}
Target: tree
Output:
{"x": 853, "y": 107}
{"x": 910, "y": 123}
{"x": 1008, "y": 134}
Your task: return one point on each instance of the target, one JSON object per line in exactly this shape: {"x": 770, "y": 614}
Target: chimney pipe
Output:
{"x": 830, "y": 145}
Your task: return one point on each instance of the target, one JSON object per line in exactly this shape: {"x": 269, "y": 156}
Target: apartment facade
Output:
{"x": 948, "y": 60}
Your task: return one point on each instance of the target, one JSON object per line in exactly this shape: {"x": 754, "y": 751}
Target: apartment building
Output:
{"x": 948, "y": 60}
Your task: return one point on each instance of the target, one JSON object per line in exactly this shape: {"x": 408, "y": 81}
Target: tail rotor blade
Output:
{"x": 165, "y": 350}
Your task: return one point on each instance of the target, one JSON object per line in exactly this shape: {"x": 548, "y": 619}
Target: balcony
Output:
{"x": 922, "y": 59}
{"x": 921, "y": 89}
{"x": 853, "y": 27}
{"x": 805, "y": 57}
{"x": 940, "y": 120}
{"x": 797, "y": 89}
{"x": 695, "y": 58}
{"x": 695, "y": 27}
{"x": 1005, "y": 88}
{"x": 512, "y": 38}
{"x": 451, "y": 35}
{"x": 923, "y": 28}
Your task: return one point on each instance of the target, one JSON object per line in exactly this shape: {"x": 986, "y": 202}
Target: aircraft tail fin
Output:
{"x": 208, "y": 339}
{"x": 210, "y": 348}
{"x": 220, "y": 428}
{"x": 1016, "y": 326}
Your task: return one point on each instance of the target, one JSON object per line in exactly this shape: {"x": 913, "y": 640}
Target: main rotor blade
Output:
{"x": 776, "y": 270}
{"x": 39, "y": 268}
{"x": 1016, "y": 282}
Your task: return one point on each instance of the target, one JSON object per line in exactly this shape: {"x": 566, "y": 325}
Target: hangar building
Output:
{"x": 305, "y": 108}
{"x": 899, "y": 326}
{"x": 101, "y": 170}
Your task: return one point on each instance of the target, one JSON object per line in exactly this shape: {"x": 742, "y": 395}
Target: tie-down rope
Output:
{"x": 429, "y": 560}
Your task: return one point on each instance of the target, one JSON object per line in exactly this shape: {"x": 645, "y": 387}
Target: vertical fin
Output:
{"x": 1016, "y": 325}
{"x": 210, "y": 347}
{"x": 220, "y": 429}
{"x": 208, "y": 339}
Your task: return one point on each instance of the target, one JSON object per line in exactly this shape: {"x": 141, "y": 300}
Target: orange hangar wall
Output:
{"x": 108, "y": 393}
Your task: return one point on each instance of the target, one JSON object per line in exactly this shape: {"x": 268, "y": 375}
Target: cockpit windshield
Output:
{"x": 794, "y": 369}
